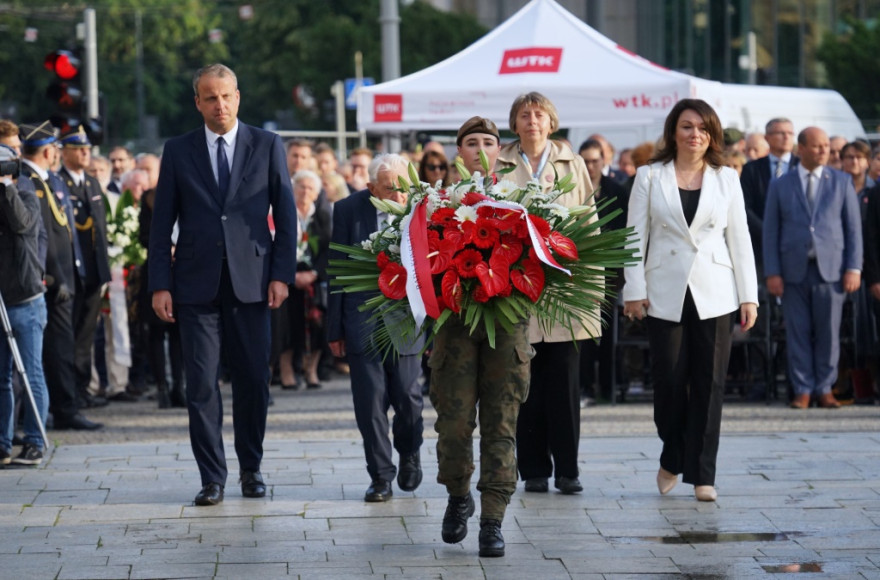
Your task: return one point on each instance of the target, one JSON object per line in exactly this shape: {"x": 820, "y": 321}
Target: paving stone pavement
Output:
{"x": 799, "y": 493}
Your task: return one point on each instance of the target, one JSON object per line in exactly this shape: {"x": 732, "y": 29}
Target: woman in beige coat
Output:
{"x": 548, "y": 429}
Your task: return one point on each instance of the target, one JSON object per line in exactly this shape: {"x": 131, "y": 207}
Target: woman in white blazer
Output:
{"x": 697, "y": 268}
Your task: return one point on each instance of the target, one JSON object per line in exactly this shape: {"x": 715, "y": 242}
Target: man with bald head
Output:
{"x": 812, "y": 259}
{"x": 756, "y": 146}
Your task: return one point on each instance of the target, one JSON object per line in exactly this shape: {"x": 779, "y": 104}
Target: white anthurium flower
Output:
{"x": 466, "y": 213}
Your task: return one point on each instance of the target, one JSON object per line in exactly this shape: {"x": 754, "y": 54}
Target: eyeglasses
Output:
{"x": 781, "y": 133}
{"x": 430, "y": 167}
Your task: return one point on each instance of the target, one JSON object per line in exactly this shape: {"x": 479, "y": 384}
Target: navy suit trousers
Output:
{"x": 377, "y": 386}
{"x": 240, "y": 331}
{"x": 813, "y": 309}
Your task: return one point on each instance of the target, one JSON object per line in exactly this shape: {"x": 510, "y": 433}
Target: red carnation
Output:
{"x": 483, "y": 234}
{"x": 444, "y": 216}
{"x": 392, "y": 281}
{"x": 450, "y": 287}
{"x": 466, "y": 262}
{"x": 480, "y": 294}
{"x": 382, "y": 260}
{"x": 563, "y": 246}
{"x": 541, "y": 224}
{"x": 529, "y": 280}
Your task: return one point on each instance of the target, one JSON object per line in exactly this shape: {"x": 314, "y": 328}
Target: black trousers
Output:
{"x": 58, "y": 357}
{"x": 86, "y": 308}
{"x": 376, "y": 387}
{"x": 549, "y": 426}
{"x": 689, "y": 365}
{"x": 242, "y": 330}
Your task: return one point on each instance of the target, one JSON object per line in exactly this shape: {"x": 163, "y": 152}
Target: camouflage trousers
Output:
{"x": 467, "y": 374}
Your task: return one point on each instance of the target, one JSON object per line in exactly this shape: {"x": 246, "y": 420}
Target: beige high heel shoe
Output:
{"x": 666, "y": 480}
{"x": 705, "y": 493}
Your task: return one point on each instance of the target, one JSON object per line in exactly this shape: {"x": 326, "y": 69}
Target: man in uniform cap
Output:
{"x": 39, "y": 147}
{"x": 90, "y": 224}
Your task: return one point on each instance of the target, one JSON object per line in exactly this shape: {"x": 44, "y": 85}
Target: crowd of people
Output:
{"x": 236, "y": 227}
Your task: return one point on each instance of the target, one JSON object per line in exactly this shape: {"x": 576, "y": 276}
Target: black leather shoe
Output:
{"x": 211, "y": 494}
{"x": 458, "y": 510}
{"x": 491, "y": 540}
{"x": 123, "y": 397}
{"x": 252, "y": 484}
{"x": 409, "y": 475}
{"x": 568, "y": 485}
{"x": 537, "y": 485}
{"x": 87, "y": 401}
{"x": 76, "y": 422}
{"x": 379, "y": 490}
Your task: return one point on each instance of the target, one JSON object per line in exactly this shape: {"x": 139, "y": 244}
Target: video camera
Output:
{"x": 10, "y": 162}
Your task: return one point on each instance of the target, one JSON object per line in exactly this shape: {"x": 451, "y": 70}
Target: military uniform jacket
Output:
{"x": 60, "y": 265}
{"x": 92, "y": 230}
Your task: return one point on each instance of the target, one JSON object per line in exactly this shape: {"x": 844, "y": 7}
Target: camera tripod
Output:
{"x": 19, "y": 366}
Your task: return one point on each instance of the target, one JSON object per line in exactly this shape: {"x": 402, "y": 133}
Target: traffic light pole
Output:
{"x": 91, "y": 64}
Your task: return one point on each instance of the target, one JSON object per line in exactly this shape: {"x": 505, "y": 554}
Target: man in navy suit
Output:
{"x": 218, "y": 183}
{"x": 757, "y": 174}
{"x": 377, "y": 384}
{"x": 812, "y": 259}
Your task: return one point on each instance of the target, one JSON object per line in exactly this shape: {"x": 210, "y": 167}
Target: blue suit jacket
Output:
{"x": 212, "y": 226}
{"x": 354, "y": 219}
{"x": 834, "y": 229}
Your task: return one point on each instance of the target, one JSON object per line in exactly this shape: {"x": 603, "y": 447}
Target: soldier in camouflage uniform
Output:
{"x": 466, "y": 373}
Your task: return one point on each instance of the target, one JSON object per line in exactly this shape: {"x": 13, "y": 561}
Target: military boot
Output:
{"x": 491, "y": 540}
{"x": 458, "y": 510}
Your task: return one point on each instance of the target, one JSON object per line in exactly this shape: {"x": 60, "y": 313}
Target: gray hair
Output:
{"x": 305, "y": 174}
{"x": 776, "y": 121}
{"x": 130, "y": 176}
{"x": 213, "y": 70}
{"x": 387, "y": 162}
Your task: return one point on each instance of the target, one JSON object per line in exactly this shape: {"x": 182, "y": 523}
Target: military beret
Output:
{"x": 477, "y": 125}
{"x": 37, "y": 135}
{"x": 732, "y": 135}
{"x": 75, "y": 138}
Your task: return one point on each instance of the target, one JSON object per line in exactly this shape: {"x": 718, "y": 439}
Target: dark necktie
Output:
{"x": 222, "y": 167}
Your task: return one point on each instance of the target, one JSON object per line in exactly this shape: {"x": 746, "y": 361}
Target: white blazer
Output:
{"x": 713, "y": 256}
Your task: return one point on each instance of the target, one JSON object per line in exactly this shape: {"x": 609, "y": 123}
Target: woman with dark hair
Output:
{"x": 434, "y": 167}
{"x": 697, "y": 268}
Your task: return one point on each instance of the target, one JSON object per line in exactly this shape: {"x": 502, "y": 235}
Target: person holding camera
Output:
{"x": 39, "y": 151}
{"x": 21, "y": 286}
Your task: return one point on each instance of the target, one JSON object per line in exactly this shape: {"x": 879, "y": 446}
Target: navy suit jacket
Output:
{"x": 354, "y": 219}
{"x": 213, "y": 226}
{"x": 834, "y": 228}
{"x": 755, "y": 179}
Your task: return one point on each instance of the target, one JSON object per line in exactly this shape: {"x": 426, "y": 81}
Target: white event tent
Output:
{"x": 596, "y": 85}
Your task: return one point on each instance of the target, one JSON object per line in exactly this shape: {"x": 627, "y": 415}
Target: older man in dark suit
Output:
{"x": 812, "y": 259}
{"x": 219, "y": 183}
{"x": 377, "y": 385}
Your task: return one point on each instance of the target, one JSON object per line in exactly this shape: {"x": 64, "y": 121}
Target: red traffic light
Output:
{"x": 63, "y": 64}
{"x": 66, "y": 96}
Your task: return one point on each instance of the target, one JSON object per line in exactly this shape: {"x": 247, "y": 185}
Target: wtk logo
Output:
{"x": 388, "y": 108}
{"x": 535, "y": 59}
